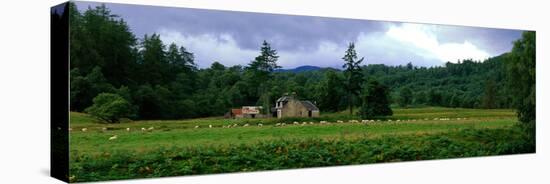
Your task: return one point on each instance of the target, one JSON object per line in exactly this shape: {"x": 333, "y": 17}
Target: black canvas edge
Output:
{"x": 59, "y": 91}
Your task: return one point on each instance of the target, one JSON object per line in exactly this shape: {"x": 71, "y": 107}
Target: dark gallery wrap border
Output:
{"x": 59, "y": 92}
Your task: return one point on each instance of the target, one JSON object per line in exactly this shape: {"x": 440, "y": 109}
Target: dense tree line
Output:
{"x": 467, "y": 84}
{"x": 156, "y": 80}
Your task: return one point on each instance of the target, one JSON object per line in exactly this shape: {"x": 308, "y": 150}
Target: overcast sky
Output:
{"x": 233, "y": 38}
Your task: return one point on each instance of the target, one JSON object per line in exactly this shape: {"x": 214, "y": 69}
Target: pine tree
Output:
{"x": 260, "y": 70}
{"x": 154, "y": 62}
{"x": 266, "y": 62}
{"x": 353, "y": 75}
{"x": 330, "y": 92}
{"x": 375, "y": 101}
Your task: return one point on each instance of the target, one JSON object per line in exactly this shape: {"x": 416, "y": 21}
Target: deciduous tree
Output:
{"x": 109, "y": 108}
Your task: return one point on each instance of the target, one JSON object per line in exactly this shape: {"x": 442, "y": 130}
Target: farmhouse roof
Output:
{"x": 309, "y": 106}
{"x": 236, "y": 111}
{"x": 284, "y": 99}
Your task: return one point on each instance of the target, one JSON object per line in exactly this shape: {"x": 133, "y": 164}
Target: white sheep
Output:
{"x": 84, "y": 129}
{"x": 127, "y": 129}
{"x": 296, "y": 123}
{"x": 113, "y": 137}
{"x": 260, "y": 125}
{"x": 389, "y": 120}
{"x": 197, "y": 126}
{"x": 278, "y": 124}
{"x": 150, "y": 128}
{"x": 143, "y": 129}
{"x": 283, "y": 124}
{"x": 323, "y": 122}
{"x": 209, "y": 126}
{"x": 398, "y": 120}
{"x": 364, "y": 121}
{"x": 311, "y": 123}
{"x": 339, "y": 121}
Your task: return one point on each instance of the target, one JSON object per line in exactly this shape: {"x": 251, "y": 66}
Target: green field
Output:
{"x": 177, "y": 144}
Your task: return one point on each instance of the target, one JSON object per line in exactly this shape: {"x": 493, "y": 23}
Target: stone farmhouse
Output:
{"x": 290, "y": 106}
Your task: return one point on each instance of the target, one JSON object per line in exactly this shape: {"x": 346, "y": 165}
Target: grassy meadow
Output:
{"x": 183, "y": 147}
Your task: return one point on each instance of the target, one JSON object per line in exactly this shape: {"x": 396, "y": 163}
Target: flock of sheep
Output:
{"x": 150, "y": 129}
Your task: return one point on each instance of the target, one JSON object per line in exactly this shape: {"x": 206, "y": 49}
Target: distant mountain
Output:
{"x": 304, "y": 68}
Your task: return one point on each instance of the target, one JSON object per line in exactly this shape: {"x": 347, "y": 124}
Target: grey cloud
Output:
{"x": 285, "y": 32}
{"x": 495, "y": 41}
{"x": 299, "y": 36}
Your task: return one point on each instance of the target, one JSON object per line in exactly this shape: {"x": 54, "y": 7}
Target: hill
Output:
{"x": 305, "y": 68}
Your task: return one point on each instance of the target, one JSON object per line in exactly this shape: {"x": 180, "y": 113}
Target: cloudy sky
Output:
{"x": 233, "y": 38}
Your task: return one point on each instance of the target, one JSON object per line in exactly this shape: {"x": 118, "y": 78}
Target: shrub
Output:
{"x": 109, "y": 108}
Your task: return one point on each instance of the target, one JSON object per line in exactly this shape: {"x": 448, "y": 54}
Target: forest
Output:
{"x": 157, "y": 80}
